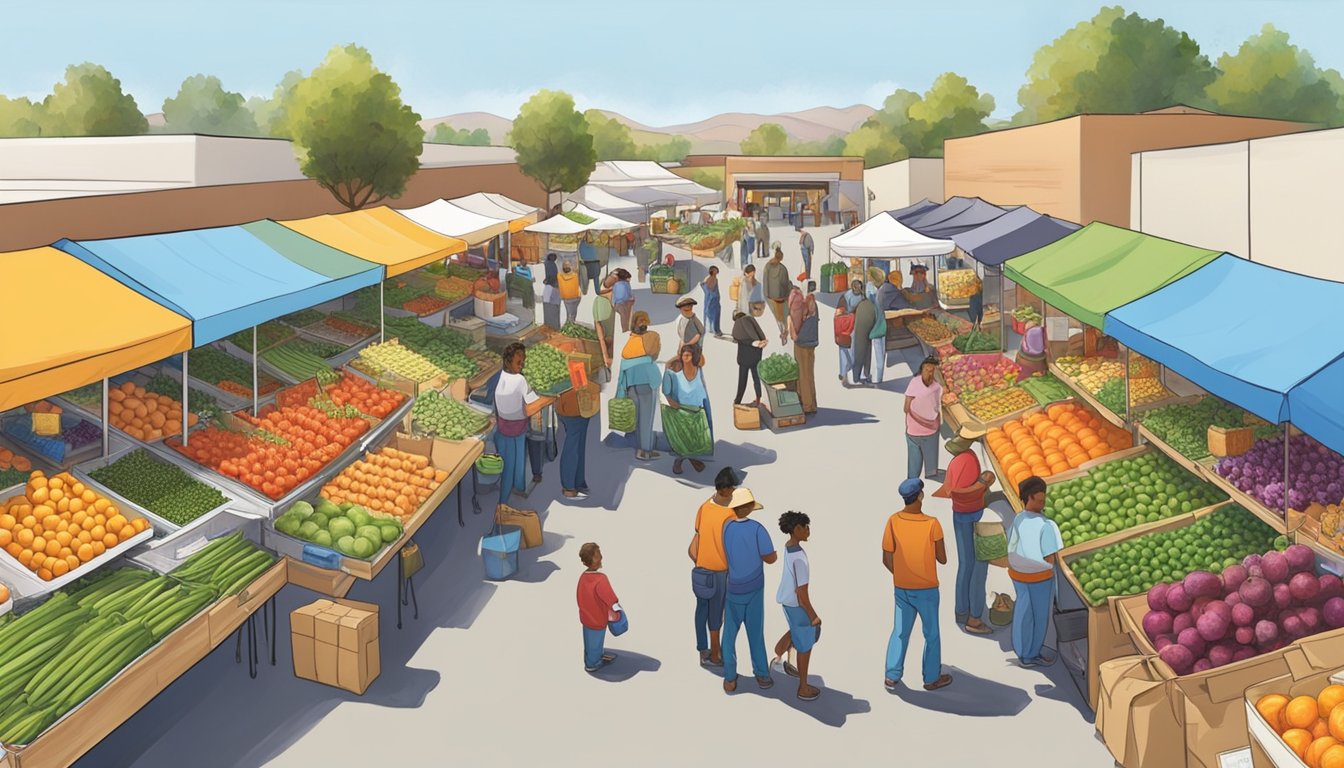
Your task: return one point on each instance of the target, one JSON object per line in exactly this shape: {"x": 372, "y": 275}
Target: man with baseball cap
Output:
{"x": 690, "y": 330}
{"x": 966, "y": 484}
{"x": 747, "y": 547}
{"x": 912, "y": 549}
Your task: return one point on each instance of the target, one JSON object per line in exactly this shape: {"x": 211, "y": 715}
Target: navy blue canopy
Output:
{"x": 960, "y": 214}
{"x": 1020, "y": 230}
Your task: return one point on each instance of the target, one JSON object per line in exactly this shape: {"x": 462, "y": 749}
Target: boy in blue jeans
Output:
{"x": 598, "y": 604}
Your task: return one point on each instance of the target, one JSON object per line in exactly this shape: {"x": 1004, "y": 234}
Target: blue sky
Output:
{"x": 659, "y": 63}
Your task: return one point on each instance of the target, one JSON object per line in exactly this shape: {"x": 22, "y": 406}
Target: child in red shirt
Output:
{"x": 597, "y": 605}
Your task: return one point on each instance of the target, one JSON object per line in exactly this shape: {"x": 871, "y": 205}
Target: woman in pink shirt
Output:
{"x": 923, "y": 419}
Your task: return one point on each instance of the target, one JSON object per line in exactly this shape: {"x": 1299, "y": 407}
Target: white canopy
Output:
{"x": 605, "y": 202}
{"x": 563, "y": 225}
{"x": 447, "y": 219}
{"x": 883, "y": 237}
{"x": 495, "y": 206}
{"x": 622, "y": 177}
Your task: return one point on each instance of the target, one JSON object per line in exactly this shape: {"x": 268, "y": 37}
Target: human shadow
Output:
{"x": 832, "y": 708}
{"x": 626, "y": 666}
{"x": 617, "y": 455}
{"x": 968, "y": 696}
{"x": 661, "y": 307}
{"x": 836, "y": 417}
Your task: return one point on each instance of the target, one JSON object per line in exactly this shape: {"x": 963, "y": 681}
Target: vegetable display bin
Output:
{"x": 499, "y": 552}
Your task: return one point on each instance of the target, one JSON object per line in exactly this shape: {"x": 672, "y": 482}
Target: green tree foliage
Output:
{"x": 90, "y": 102}
{"x": 1270, "y": 77}
{"x": 766, "y": 139}
{"x": 19, "y": 118}
{"x": 203, "y": 106}
{"x": 1114, "y": 63}
{"x": 876, "y": 144}
{"x": 351, "y": 131}
{"x": 911, "y": 125}
{"x": 674, "y": 150}
{"x": 611, "y": 137}
{"x": 552, "y": 141}
{"x": 444, "y": 133}
{"x": 269, "y": 114}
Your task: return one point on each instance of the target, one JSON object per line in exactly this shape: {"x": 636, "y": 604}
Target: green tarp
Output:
{"x": 306, "y": 252}
{"x": 1101, "y": 267}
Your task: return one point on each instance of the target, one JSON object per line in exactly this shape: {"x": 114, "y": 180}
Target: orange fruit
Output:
{"x": 1271, "y": 708}
{"x": 1336, "y": 722}
{"x": 1321, "y": 728}
{"x": 1318, "y": 748}
{"x": 1328, "y": 699}
{"x": 1298, "y": 740}
{"x": 1332, "y": 757}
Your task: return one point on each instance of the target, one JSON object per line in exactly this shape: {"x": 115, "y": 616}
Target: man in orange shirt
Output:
{"x": 911, "y": 544}
{"x": 709, "y": 577}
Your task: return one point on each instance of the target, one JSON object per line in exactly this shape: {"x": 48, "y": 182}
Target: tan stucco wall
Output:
{"x": 903, "y": 183}
{"x": 26, "y": 225}
{"x": 1037, "y": 166}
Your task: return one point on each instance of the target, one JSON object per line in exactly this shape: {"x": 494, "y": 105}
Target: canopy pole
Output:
{"x": 254, "y": 371}
{"x": 1127, "y": 385}
{"x": 1003, "y": 311}
{"x": 105, "y": 435}
{"x": 382, "y": 326}
{"x": 1287, "y": 433}
{"x": 186, "y": 404}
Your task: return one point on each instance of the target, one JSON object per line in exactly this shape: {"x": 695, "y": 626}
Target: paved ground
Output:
{"x": 490, "y": 674}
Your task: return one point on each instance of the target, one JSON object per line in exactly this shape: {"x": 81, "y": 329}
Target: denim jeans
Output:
{"x": 571, "y": 310}
{"x": 846, "y": 361}
{"x": 1031, "y": 616}
{"x": 645, "y": 405}
{"x": 594, "y": 642}
{"x": 513, "y": 450}
{"x": 573, "y": 452}
{"x": 909, "y": 604}
{"x": 971, "y": 572}
{"x": 879, "y": 358}
{"x": 709, "y": 611}
{"x": 921, "y": 450}
{"x": 748, "y": 609}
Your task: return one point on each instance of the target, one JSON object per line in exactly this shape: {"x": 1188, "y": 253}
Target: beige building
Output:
{"x": 903, "y": 183}
{"x": 1272, "y": 200}
{"x": 822, "y": 188}
{"x": 1078, "y": 168}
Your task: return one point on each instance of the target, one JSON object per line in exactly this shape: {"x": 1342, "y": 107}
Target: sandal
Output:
{"x": 812, "y": 694}
{"x": 676, "y": 467}
{"x": 791, "y": 670}
{"x": 765, "y": 683}
{"x": 977, "y": 629}
{"x": 698, "y": 465}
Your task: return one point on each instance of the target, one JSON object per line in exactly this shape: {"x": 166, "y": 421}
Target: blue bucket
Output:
{"x": 620, "y": 626}
{"x": 499, "y": 552}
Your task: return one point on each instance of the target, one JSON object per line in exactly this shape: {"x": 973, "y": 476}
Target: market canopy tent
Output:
{"x": 957, "y": 215}
{"x": 1199, "y": 327}
{"x": 913, "y": 210}
{"x": 603, "y": 201}
{"x": 1016, "y": 232}
{"x": 98, "y": 329}
{"x": 656, "y": 197}
{"x": 380, "y": 235}
{"x": 1315, "y": 404}
{"x": 447, "y": 219}
{"x": 620, "y": 176}
{"x": 226, "y": 279}
{"x": 497, "y": 206}
{"x": 883, "y": 237}
{"x": 1101, "y": 267}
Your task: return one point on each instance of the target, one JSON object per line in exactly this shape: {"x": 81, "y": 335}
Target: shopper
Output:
{"x": 747, "y": 547}
{"x": 802, "y": 619}
{"x": 515, "y": 404}
{"x": 639, "y": 380}
{"x": 923, "y": 420}
{"x": 592, "y": 265}
{"x": 966, "y": 485}
{"x": 684, "y": 387}
{"x": 622, "y": 296}
{"x": 889, "y": 295}
{"x": 912, "y": 549}
{"x": 573, "y": 455}
{"x": 861, "y": 343}
{"x": 604, "y": 325}
{"x": 807, "y": 246}
{"x": 844, "y": 336}
{"x": 920, "y": 294}
{"x": 709, "y": 577}
{"x": 777, "y": 286}
{"x": 1033, "y": 546}
{"x": 804, "y": 329}
{"x": 878, "y": 340}
{"x": 550, "y": 294}
{"x": 750, "y": 294}
{"x": 689, "y": 328}
{"x": 750, "y": 341}
{"x": 854, "y": 296}
{"x": 710, "y": 286}
{"x": 568, "y": 281}
{"x": 598, "y": 606}
{"x": 762, "y": 234}
{"x": 748, "y": 242}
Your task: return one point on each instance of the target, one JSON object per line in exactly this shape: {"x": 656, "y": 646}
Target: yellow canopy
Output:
{"x": 64, "y": 324}
{"x": 382, "y": 236}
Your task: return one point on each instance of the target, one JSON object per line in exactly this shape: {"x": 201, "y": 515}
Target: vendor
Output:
{"x": 889, "y": 296}
{"x": 1031, "y": 353}
{"x": 515, "y": 404}
{"x": 920, "y": 293}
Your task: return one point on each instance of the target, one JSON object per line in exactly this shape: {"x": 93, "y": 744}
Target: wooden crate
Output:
{"x": 776, "y": 423}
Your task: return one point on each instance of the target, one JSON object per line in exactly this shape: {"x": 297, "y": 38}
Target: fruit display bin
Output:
{"x": 17, "y": 430}
{"x": 1087, "y": 397}
{"x": 319, "y": 331}
{"x": 173, "y": 368}
{"x": 478, "y": 436}
{"x": 164, "y": 554}
{"x": 162, "y": 527}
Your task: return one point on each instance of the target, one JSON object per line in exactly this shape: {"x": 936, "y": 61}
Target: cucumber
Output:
{"x": 225, "y": 576}
{"x": 88, "y": 684}
{"x": 137, "y": 608}
{"x": 120, "y": 601}
{"x": 32, "y": 726}
{"x": 247, "y": 577}
{"x": 61, "y": 667}
{"x": 60, "y": 628}
{"x": 15, "y": 714}
{"x": 13, "y": 679}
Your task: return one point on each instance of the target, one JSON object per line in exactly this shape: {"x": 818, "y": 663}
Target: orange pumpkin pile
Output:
{"x": 1311, "y": 726}
{"x": 390, "y": 481}
{"x": 145, "y": 415}
{"x": 58, "y": 524}
{"x": 1049, "y": 442}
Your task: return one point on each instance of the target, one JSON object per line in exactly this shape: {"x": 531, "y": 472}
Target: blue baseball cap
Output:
{"x": 910, "y": 489}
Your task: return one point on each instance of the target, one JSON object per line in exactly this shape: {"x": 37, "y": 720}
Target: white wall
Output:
{"x": 903, "y": 183}
{"x": 242, "y": 161}
{"x": 131, "y": 158}
{"x": 1196, "y": 196}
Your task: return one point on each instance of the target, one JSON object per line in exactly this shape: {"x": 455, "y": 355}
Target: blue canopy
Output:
{"x": 1020, "y": 230}
{"x": 1315, "y": 405}
{"x": 953, "y": 217}
{"x": 912, "y": 210}
{"x": 1210, "y": 327}
{"x": 228, "y": 278}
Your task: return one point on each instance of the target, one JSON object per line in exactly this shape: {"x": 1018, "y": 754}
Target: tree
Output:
{"x": 351, "y": 131}
{"x": 910, "y": 124}
{"x": 203, "y": 106}
{"x": 90, "y": 102}
{"x": 831, "y": 147}
{"x": 1114, "y": 63}
{"x": 876, "y": 144}
{"x": 444, "y": 133}
{"x": 269, "y": 114}
{"x": 766, "y": 139}
{"x": 552, "y": 142}
{"x": 19, "y": 118}
{"x": 1270, "y": 77}
{"x": 611, "y": 137}
{"x": 674, "y": 150}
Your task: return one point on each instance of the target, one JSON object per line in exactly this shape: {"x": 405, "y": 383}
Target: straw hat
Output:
{"x": 742, "y": 497}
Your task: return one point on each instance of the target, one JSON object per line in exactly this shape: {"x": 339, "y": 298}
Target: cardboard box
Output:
{"x": 1303, "y": 679}
{"x": 336, "y": 643}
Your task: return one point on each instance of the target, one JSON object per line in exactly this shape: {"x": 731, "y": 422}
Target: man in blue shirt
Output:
{"x": 591, "y": 266}
{"x": 747, "y": 546}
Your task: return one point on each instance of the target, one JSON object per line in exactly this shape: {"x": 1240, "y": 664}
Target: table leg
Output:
{"x": 458, "y": 492}
{"x": 272, "y": 604}
{"x": 252, "y": 647}
{"x": 238, "y": 646}
{"x": 475, "y": 491}
{"x": 415, "y": 603}
{"x": 400, "y": 579}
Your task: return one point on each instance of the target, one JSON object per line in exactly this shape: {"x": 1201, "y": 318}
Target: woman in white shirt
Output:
{"x": 515, "y": 403}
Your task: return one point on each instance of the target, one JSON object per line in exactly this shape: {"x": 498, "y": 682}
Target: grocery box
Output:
{"x": 335, "y": 642}
{"x": 1137, "y": 717}
{"x": 472, "y": 327}
{"x": 490, "y": 304}
{"x": 1230, "y": 442}
{"x": 1304, "y": 678}
{"x": 746, "y": 417}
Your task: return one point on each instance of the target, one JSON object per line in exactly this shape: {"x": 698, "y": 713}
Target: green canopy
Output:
{"x": 1101, "y": 267}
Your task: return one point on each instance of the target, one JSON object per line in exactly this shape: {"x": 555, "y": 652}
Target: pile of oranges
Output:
{"x": 389, "y": 481}
{"x": 1313, "y": 727}
{"x": 1046, "y": 443}
{"x": 58, "y": 524}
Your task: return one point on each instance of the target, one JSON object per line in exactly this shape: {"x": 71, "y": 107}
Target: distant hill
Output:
{"x": 720, "y": 134}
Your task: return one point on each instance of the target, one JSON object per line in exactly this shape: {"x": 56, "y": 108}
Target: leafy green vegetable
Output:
{"x": 621, "y": 414}
{"x": 778, "y": 368}
{"x": 159, "y": 487}
{"x": 976, "y": 341}
{"x": 545, "y": 366}
{"x": 438, "y": 414}
{"x": 576, "y": 331}
{"x": 687, "y": 431}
